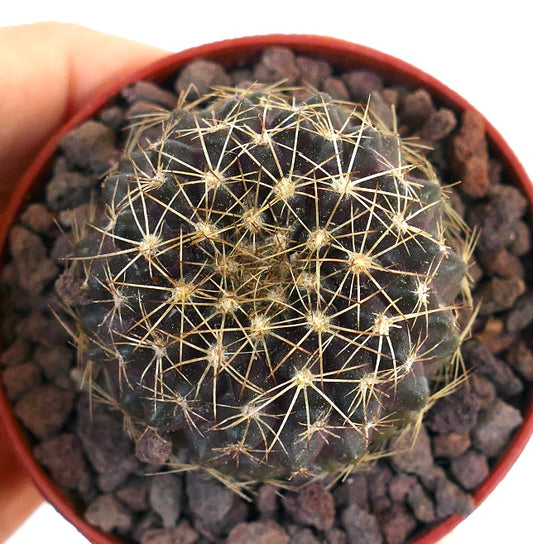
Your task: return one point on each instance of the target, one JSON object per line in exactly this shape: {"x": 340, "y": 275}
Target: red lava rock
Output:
{"x": 498, "y": 218}
{"x": 494, "y": 427}
{"x": 300, "y": 535}
{"x": 521, "y": 315}
{"x": 450, "y": 499}
{"x": 450, "y": 445}
{"x": 521, "y": 244}
{"x": 421, "y": 504}
{"x": 397, "y": 525}
{"x": 45, "y": 409}
{"x": 313, "y": 71}
{"x": 416, "y": 108}
{"x": 63, "y": 457}
{"x": 399, "y": 487}
{"x": 19, "y": 379}
{"x": 361, "y": 527}
{"x": 90, "y": 146}
{"x": 502, "y": 263}
{"x": 67, "y": 190}
{"x": 107, "y": 447}
{"x": 54, "y": 361}
{"x": 470, "y": 469}
{"x": 438, "y": 125}
{"x": 353, "y": 490}
{"x": 201, "y": 75}
{"x": 34, "y": 269}
{"x": 108, "y": 513}
{"x": 182, "y": 534}
{"x": 520, "y": 357}
{"x": 378, "y": 488}
{"x": 267, "y": 500}
{"x": 336, "y": 88}
{"x": 492, "y": 367}
{"x": 313, "y": 505}
{"x": 43, "y": 329}
{"x": 17, "y": 353}
{"x": 258, "y": 532}
{"x": 149, "y": 92}
{"x": 38, "y": 218}
{"x": 134, "y": 494}
{"x": 165, "y": 496}
{"x": 215, "y": 506}
{"x": 336, "y": 536}
{"x": 455, "y": 413}
{"x": 469, "y": 155}
{"x": 152, "y": 448}
{"x": 276, "y": 64}
{"x": 361, "y": 83}
{"x": 499, "y": 294}
{"x": 412, "y": 457}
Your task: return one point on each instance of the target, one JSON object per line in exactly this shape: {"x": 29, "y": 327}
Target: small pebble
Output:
{"x": 300, "y": 535}
{"x": 361, "y": 526}
{"x": 313, "y": 505}
{"x": 45, "y": 409}
{"x": 277, "y": 64}
{"x": 520, "y": 357}
{"x": 90, "y": 146}
{"x": 416, "y": 108}
{"x": 34, "y": 269}
{"x": 469, "y": 155}
{"x": 499, "y": 294}
{"x": 199, "y": 76}
{"x": 397, "y": 524}
{"x": 182, "y": 534}
{"x": 20, "y": 379}
{"x": 470, "y": 470}
{"x": 63, "y": 457}
{"x": 267, "y": 501}
{"x": 492, "y": 367}
{"x": 134, "y": 493}
{"x": 421, "y": 504}
{"x": 258, "y": 532}
{"x": 108, "y": 448}
{"x": 38, "y": 218}
{"x": 361, "y": 83}
{"x": 412, "y": 457}
{"x": 150, "y": 92}
{"x": 215, "y": 506}
{"x": 152, "y": 448}
{"x": 450, "y": 445}
{"x": 494, "y": 428}
{"x": 313, "y": 71}
{"x": 165, "y": 496}
{"x": 521, "y": 315}
{"x": 108, "y": 513}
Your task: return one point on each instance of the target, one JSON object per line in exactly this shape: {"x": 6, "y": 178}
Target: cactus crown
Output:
{"x": 272, "y": 279}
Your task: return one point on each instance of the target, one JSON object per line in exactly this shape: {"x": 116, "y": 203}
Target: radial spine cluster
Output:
{"x": 271, "y": 282}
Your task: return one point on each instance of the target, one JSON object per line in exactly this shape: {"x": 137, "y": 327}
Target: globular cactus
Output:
{"x": 271, "y": 282}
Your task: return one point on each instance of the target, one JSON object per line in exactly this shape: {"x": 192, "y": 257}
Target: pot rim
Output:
{"x": 343, "y": 55}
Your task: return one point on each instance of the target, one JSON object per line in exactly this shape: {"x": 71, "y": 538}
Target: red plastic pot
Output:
{"x": 341, "y": 54}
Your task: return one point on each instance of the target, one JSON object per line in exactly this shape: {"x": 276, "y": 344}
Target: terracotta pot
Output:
{"x": 342, "y": 55}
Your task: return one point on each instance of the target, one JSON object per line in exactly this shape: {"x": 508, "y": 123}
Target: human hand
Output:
{"x": 47, "y": 71}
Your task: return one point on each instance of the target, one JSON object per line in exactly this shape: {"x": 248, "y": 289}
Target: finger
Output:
{"x": 48, "y": 70}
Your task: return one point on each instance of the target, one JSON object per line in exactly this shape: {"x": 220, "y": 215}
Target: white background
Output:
{"x": 482, "y": 50}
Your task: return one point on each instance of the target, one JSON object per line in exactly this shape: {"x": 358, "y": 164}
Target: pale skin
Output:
{"x": 48, "y": 70}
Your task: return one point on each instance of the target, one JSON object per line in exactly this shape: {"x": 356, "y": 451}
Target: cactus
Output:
{"x": 271, "y": 281}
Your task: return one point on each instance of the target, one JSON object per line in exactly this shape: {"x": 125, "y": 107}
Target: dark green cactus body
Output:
{"x": 274, "y": 280}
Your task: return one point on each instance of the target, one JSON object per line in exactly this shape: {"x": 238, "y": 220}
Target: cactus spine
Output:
{"x": 271, "y": 281}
